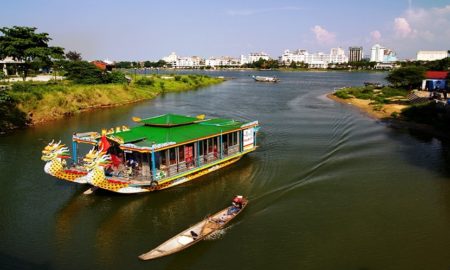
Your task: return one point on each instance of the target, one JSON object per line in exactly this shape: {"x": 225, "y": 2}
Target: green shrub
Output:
{"x": 115, "y": 77}
{"x": 83, "y": 72}
{"x": 10, "y": 115}
{"x": 145, "y": 81}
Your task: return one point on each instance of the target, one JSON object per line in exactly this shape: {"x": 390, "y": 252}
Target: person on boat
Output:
{"x": 237, "y": 201}
{"x": 236, "y": 205}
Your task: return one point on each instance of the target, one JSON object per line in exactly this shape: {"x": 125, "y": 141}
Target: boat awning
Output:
{"x": 168, "y": 120}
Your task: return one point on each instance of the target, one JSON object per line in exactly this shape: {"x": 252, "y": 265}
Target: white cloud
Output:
{"x": 323, "y": 37}
{"x": 375, "y": 36}
{"x": 402, "y": 28}
{"x": 419, "y": 29}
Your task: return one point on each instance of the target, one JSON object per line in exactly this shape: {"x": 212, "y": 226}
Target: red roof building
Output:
{"x": 436, "y": 75}
{"x": 103, "y": 65}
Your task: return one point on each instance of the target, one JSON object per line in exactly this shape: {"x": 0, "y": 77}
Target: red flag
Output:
{"x": 104, "y": 144}
{"x": 115, "y": 160}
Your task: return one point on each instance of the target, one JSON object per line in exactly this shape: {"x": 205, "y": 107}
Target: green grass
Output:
{"x": 46, "y": 101}
{"x": 377, "y": 95}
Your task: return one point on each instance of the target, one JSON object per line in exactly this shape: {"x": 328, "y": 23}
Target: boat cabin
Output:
{"x": 170, "y": 146}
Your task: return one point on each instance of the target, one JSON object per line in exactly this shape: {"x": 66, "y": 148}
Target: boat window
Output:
{"x": 225, "y": 140}
{"x": 181, "y": 153}
{"x": 172, "y": 156}
{"x": 210, "y": 145}
{"x": 164, "y": 157}
{"x": 200, "y": 147}
{"x": 189, "y": 154}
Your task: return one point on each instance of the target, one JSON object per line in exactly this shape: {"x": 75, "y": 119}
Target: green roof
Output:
{"x": 182, "y": 129}
{"x": 169, "y": 120}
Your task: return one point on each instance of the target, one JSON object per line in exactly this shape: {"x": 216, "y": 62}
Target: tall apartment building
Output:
{"x": 355, "y": 54}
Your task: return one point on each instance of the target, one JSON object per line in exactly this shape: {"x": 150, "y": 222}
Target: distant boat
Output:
{"x": 265, "y": 79}
{"x": 196, "y": 233}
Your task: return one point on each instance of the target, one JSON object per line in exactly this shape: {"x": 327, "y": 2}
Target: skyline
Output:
{"x": 138, "y": 30}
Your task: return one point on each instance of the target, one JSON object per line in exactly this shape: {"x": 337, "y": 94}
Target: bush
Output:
{"x": 145, "y": 81}
{"x": 83, "y": 72}
{"x": 115, "y": 77}
{"x": 10, "y": 115}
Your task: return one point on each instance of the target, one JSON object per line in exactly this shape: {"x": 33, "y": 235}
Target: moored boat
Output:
{"x": 159, "y": 153}
{"x": 265, "y": 79}
{"x": 197, "y": 232}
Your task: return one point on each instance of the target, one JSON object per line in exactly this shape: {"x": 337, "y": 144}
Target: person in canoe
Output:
{"x": 236, "y": 205}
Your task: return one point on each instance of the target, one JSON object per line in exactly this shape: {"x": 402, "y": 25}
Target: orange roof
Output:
{"x": 436, "y": 74}
{"x": 100, "y": 64}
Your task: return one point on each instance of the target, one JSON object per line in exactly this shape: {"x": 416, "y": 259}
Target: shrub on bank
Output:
{"x": 435, "y": 114}
{"x": 83, "y": 72}
{"x": 378, "y": 95}
{"x": 10, "y": 115}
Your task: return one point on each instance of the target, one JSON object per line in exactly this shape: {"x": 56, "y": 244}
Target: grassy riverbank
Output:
{"x": 380, "y": 102}
{"x": 41, "y": 102}
{"x": 388, "y": 103}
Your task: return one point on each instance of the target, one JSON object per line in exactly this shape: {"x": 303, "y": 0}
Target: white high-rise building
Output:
{"x": 432, "y": 55}
{"x": 382, "y": 54}
{"x": 377, "y": 53}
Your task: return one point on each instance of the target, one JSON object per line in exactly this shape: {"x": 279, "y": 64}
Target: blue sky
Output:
{"x": 150, "y": 30}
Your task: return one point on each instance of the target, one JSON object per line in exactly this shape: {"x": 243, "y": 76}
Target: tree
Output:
{"x": 73, "y": 56}
{"x": 31, "y": 48}
{"x": 409, "y": 77}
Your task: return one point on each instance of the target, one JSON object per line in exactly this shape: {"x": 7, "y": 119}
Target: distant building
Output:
{"x": 253, "y": 57}
{"x": 377, "y": 53}
{"x": 381, "y": 54}
{"x": 355, "y": 54}
{"x": 184, "y": 62}
{"x": 314, "y": 60}
{"x": 224, "y": 61}
{"x": 9, "y": 61}
{"x": 432, "y": 55}
{"x": 105, "y": 65}
{"x": 337, "y": 56}
{"x": 295, "y": 56}
{"x": 171, "y": 59}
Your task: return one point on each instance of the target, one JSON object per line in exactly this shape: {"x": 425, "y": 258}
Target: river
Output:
{"x": 329, "y": 188}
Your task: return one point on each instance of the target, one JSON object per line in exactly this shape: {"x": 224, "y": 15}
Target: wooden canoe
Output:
{"x": 194, "y": 234}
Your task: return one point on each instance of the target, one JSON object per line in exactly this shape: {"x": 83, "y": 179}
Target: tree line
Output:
{"x": 32, "y": 52}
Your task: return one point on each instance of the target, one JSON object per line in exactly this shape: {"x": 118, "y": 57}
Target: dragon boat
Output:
{"x": 158, "y": 153}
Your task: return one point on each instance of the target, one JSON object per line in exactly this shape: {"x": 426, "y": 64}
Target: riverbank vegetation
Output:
{"x": 34, "y": 102}
{"x": 80, "y": 86}
{"x": 401, "y": 99}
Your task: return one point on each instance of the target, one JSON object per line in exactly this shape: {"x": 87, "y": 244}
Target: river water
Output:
{"x": 329, "y": 188}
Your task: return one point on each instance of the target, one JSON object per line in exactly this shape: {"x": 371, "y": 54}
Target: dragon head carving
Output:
{"x": 95, "y": 159}
{"x": 55, "y": 150}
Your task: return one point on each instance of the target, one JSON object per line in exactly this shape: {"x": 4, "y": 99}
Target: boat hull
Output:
{"x": 123, "y": 187}
{"x": 193, "y": 234}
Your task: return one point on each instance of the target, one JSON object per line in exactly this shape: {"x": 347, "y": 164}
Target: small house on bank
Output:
{"x": 105, "y": 65}
{"x": 435, "y": 80}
